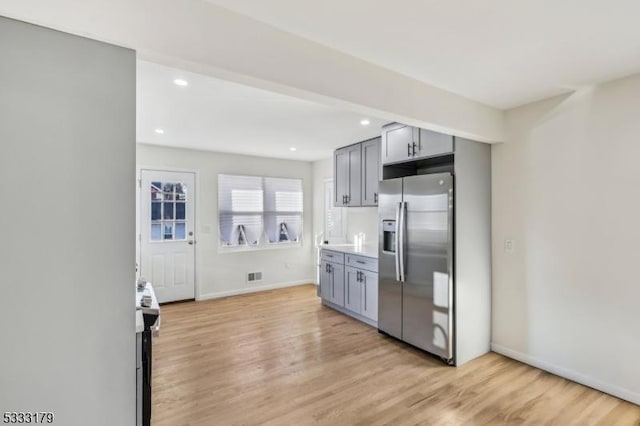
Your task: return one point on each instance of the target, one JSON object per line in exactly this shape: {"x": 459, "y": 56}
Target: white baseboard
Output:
{"x": 572, "y": 375}
{"x": 246, "y": 290}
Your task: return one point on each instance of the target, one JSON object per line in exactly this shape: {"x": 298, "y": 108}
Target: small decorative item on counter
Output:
{"x": 146, "y": 301}
{"x": 142, "y": 283}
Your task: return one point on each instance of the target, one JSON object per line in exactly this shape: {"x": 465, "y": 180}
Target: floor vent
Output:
{"x": 254, "y": 276}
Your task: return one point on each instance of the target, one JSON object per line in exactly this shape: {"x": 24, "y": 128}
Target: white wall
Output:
{"x": 566, "y": 189}
{"x": 222, "y": 274}
{"x": 67, "y": 260}
{"x": 359, "y": 219}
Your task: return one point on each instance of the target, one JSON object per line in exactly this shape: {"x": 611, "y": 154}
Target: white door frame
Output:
{"x": 196, "y": 172}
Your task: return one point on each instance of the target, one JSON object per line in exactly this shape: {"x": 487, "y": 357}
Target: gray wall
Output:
{"x": 67, "y": 166}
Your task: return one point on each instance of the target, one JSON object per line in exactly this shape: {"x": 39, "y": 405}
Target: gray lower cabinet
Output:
{"x": 370, "y": 295}
{"x": 370, "y": 171}
{"x": 353, "y": 300}
{"x": 332, "y": 282}
{"x": 350, "y": 282}
{"x": 361, "y": 292}
{"x": 347, "y": 176}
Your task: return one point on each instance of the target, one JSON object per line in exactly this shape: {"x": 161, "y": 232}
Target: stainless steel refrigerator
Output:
{"x": 415, "y": 216}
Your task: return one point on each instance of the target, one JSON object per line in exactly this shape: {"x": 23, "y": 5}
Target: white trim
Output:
{"x": 572, "y": 375}
{"x": 246, "y": 290}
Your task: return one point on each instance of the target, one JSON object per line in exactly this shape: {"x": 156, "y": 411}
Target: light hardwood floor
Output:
{"x": 281, "y": 358}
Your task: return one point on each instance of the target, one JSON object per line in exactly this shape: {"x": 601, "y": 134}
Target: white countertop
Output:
{"x": 367, "y": 250}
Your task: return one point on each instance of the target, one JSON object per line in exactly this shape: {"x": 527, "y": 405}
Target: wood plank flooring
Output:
{"x": 281, "y": 358}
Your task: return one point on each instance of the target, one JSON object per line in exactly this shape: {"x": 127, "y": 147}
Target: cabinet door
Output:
{"x": 370, "y": 295}
{"x": 353, "y": 289}
{"x": 434, "y": 143}
{"x": 340, "y": 177}
{"x": 370, "y": 172}
{"x": 337, "y": 281}
{"x": 397, "y": 143}
{"x": 354, "y": 187}
{"x": 325, "y": 281}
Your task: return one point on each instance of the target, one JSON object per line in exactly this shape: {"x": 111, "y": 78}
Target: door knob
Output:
{"x": 191, "y": 242}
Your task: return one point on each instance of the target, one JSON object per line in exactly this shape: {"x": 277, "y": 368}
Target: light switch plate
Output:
{"x": 509, "y": 246}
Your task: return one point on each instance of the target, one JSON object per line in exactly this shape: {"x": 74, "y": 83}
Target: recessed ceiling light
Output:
{"x": 160, "y": 131}
{"x": 293, "y": 148}
{"x": 365, "y": 122}
{"x": 181, "y": 82}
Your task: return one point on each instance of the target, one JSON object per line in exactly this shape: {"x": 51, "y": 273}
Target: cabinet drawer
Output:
{"x": 361, "y": 262}
{"x": 332, "y": 256}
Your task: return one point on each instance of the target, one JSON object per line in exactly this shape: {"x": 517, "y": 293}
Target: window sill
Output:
{"x": 260, "y": 247}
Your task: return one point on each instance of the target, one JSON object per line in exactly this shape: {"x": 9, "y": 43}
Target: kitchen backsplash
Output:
{"x": 365, "y": 220}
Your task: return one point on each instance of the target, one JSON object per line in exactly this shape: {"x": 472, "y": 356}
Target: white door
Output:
{"x": 167, "y": 233}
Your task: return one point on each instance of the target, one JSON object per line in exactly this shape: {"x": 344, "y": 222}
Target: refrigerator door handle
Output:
{"x": 397, "y": 243}
{"x": 402, "y": 227}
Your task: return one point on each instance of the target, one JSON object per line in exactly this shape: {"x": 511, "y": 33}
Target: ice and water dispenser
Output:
{"x": 389, "y": 236}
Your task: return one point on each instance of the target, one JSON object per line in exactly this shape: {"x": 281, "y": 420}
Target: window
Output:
{"x": 283, "y": 210}
{"x": 168, "y": 211}
{"x": 254, "y": 210}
{"x": 335, "y": 229}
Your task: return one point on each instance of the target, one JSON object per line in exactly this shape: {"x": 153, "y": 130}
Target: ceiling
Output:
{"x": 217, "y": 115}
{"x": 503, "y": 53}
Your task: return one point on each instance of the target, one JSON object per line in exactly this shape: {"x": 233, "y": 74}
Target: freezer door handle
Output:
{"x": 400, "y": 233}
{"x": 397, "y": 243}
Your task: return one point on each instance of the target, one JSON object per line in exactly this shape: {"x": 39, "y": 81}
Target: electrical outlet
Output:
{"x": 509, "y": 246}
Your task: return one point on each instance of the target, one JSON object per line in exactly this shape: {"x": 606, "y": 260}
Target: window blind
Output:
{"x": 283, "y": 209}
{"x": 252, "y": 206}
{"x": 240, "y": 207}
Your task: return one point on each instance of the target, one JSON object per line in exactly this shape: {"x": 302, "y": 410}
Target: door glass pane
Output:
{"x": 180, "y": 211}
{"x": 168, "y": 191}
{"x": 156, "y": 235}
{"x": 156, "y": 191}
{"x": 181, "y": 191}
{"x": 168, "y": 231}
{"x": 168, "y": 211}
{"x": 168, "y": 205}
{"x": 156, "y": 211}
{"x": 181, "y": 231}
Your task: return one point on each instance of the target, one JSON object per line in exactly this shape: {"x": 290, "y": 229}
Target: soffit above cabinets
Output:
{"x": 502, "y": 53}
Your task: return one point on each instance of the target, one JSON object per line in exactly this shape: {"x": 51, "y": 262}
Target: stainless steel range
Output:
{"x": 148, "y": 313}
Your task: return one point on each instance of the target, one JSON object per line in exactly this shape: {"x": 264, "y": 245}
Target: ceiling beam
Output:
{"x": 201, "y": 37}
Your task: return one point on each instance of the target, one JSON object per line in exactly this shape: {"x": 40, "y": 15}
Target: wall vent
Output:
{"x": 254, "y": 276}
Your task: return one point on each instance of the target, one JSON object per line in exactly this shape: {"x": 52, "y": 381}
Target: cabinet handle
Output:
{"x": 408, "y": 150}
{"x": 361, "y": 262}
{"x": 375, "y": 197}
{"x": 414, "y": 149}
{"x": 365, "y": 297}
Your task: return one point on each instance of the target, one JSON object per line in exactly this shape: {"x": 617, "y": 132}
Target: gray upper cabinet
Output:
{"x": 347, "y": 176}
{"x": 402, "y": 143}
{"x": 370, "y": 171}
{"x": 356, "y": 172}
{"x": 399, "y": 142}
{"x": 434, "y": 143}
